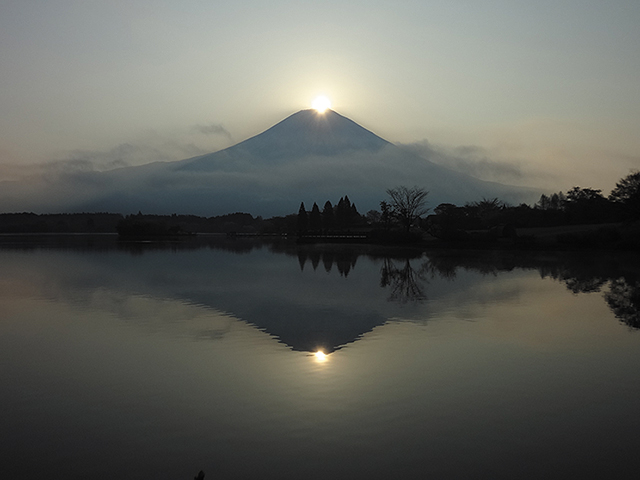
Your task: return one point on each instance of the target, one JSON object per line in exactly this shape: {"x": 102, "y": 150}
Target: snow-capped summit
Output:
{"x": 304, "y": 133}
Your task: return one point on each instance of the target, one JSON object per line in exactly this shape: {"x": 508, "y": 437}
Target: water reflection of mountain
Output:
{"x": 316, "y": 296}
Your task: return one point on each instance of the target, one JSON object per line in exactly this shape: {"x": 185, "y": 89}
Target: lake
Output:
{"x": 157, "y": 360}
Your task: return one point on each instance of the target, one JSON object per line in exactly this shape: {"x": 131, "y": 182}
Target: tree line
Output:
{"x": 576, "y": 206}
{"x": 343, "y": 216}
{"x": 404, "y": 210}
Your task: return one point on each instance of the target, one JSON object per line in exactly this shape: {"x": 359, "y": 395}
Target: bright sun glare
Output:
{"x": 321, "y": 104}
{"x": 320, "y": 356}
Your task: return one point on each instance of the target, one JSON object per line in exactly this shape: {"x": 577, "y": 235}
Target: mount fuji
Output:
{"x": 307, "y": 157}
{"x": 305, "y": 133}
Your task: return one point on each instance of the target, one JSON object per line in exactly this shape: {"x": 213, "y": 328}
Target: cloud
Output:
{"x": 124, "y": 155}
{"x": 120, "y": 156}
{"x": 476, "y": 161}
{"x": 472, "y": 160}
{"x": 212, "y": 129}
{"x": 241, "y": 183}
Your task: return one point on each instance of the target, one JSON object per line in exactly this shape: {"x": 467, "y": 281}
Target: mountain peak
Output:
{"x": 304, "y": 133}
{"x": 323, "y": 133}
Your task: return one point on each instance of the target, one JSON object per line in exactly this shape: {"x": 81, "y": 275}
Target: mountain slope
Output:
{"x": 307, "y": 157}
{"x": 304, "y": 133}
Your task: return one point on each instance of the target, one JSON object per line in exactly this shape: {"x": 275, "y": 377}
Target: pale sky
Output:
{"x": 543, "y": 93}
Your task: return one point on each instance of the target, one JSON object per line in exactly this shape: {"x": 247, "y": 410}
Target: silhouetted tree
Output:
{"x": 487, "y": 211}
{"x": 586, "y": 205}
{"x": 448, "y": 222}
{"x": 355, "y": 215}
{"x": 374, "y": 217}
{"x": 551, "y": 209}
{"x": 578, "y": 194}
{"x": 343, "y": 213}
{"x": 627, "y": 194}
{"x": 328, "y": 218}
{"x": 543, "y": 203}
{"x": 407, "y": 204}
{"x": 386, "y": 216}
{"x": 303, "y": 220}
{"x": 554, "y": 202}
{"x": 315, "y": 218}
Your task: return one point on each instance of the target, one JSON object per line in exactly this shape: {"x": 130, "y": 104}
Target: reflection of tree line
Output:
{"x": 404, "y": 272}
{"x": 93, "y": 243}
{"x": 622, "y": 297}
{"x": 584, "y": 274}
{"x": 405, "y": 276}
{"x": 398, "y": 274}
{"x": 343, "y": 260}
{"x": 587, "y": 274}
{"x": 405, "y": 282}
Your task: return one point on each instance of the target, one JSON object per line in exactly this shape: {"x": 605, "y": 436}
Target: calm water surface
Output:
{"x": 157, "y": 361}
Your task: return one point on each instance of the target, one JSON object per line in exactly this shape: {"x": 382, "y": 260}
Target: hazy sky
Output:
{"x": 543, "y": 93}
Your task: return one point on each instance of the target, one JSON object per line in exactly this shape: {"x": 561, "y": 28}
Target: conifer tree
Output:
{"x": 303, "y": 220}
{"x": 315, "y": 219}
{"x": 343, "y": 213}
{"x": 355, "y": 216}
{"x": 328, "y": 218}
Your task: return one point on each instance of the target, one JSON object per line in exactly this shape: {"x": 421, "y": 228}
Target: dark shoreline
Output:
{"x": 591, "y": 238}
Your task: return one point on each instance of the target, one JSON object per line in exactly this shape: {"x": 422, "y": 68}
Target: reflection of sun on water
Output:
{"x": 321, "y": 104}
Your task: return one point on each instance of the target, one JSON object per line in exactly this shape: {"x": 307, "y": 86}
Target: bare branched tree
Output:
{"x": 408, "y": 204}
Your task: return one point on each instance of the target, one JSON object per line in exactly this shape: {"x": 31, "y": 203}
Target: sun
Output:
{"x": 321, "y": 104}
{"x": 320, "y": 356}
